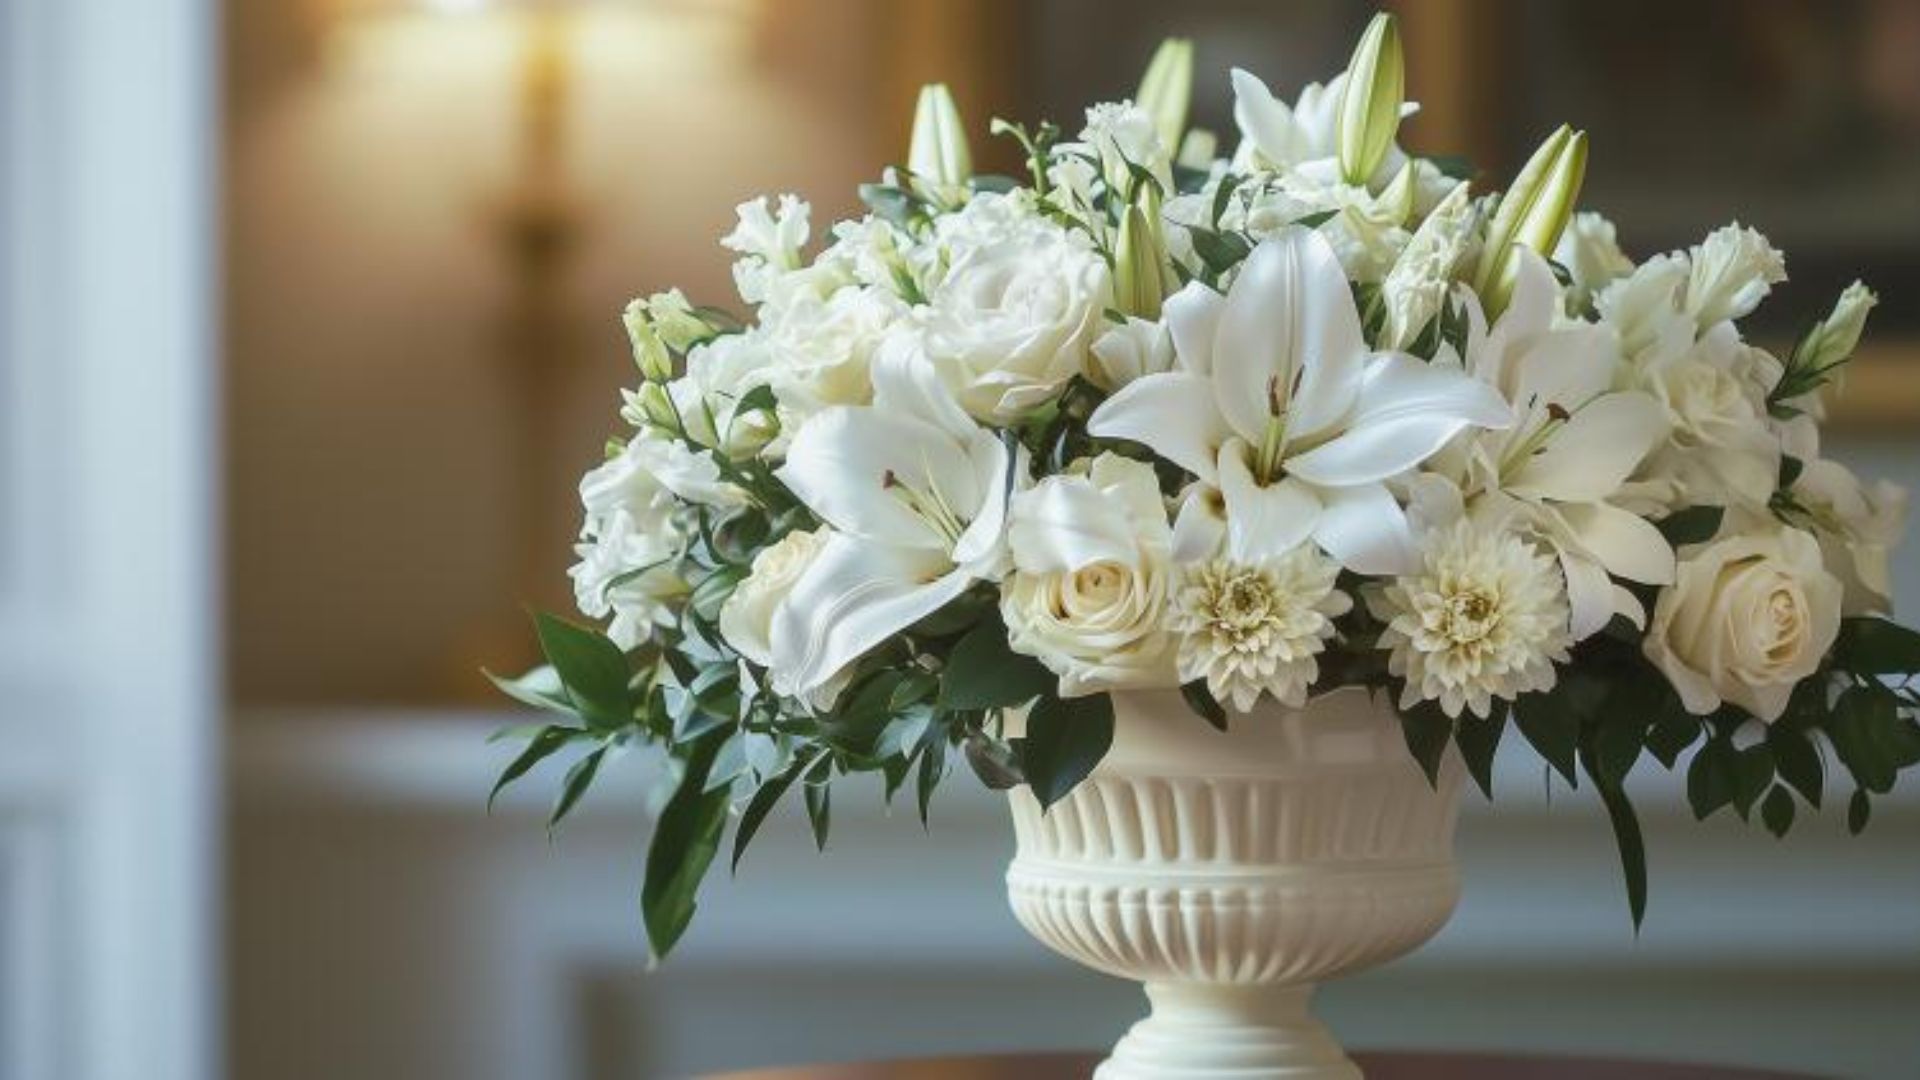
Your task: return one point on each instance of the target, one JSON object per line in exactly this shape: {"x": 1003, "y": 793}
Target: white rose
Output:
{"x": 1858, "y": 526}
{"x": 1093, "y": 564}
{"x": 1721, "y": 448}
{"x": 1019, "y": 306}
{"x": 1746, "y": 618}
{"x": 821, "y": 350}
{"x": 705, "y": 399}
{"x": 746, "y": 619}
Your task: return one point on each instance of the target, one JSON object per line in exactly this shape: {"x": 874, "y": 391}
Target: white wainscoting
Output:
{"x": 384, "y": 926}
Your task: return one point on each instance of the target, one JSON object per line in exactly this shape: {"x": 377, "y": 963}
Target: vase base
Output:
{"x": 1225, "y": 1032}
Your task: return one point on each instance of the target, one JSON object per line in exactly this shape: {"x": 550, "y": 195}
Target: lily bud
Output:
{"x": 1166, "y": 91}
{"x": 1198, "y": 149}
{"x": 1142, "y": 275}
{"x": 938, "y": 154}
{"x": 1370, "y": 102}
{"x": 1397, "y": 200}
{"x": 1832, "y": 342}
{"x": 1534, "y": 212}
{"x": 650, "y": 354}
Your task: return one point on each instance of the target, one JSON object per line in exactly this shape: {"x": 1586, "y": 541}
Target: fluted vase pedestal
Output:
{"x": 1232, "y": 872}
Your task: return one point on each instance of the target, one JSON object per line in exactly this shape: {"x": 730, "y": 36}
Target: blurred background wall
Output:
{"x": 433, "y": 213}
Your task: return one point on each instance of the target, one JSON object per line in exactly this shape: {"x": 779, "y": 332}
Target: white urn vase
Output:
{"x": 1231, "y": 872}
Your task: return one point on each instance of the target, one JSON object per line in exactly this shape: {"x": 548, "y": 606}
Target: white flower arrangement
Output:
{"x": 1313, "y": 416}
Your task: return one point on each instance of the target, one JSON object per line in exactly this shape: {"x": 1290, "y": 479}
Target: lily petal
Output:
{"x": 1263, "y": 522}
{"x": 1192, "y": 315}
{"x": 1171, "y": 413}
{"x": 1288, "y": 332}
{"x": 1600, "y": 446}
{"x": 1589, "y": 594}
{"x": 1065, "y": 523}
{"x": 1365, "y": 530}
{"x": 1406, "y": 411}
{"x": 1626, "y": 544}
{"x": 839, "y": 461}
{"x": 854, "y": 596}
{"x": 1263, "y": 119}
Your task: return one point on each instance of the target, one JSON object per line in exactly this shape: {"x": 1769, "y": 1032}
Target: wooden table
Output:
{"x": 1377, "y": 1066}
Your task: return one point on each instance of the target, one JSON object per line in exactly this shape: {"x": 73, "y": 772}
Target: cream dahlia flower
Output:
{"x": 1257, "y": 628}
{"x": 1485, "y": 617}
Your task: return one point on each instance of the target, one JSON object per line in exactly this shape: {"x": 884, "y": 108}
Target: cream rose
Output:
{"x": 746, "y": 619}
{"x": 1016, "y": 313}
{"x": 1092, "y": 558}
{"x": 1747, "y": 617}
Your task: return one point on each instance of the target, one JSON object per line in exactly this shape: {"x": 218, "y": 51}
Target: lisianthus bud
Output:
{"x": 1166, "y": 91}
{"x": 1832, "y": 342}
{"x": 1142, "y": 275}
{"x": 675, "y": 320}
{"x": 938, "y": 154}
{"x": 656, "y": 407}
{"x": 1533, "y": 212}
{"x": 1370, "y": 103}
{"x": 650, "y": 354}
{"x": 1731, "y": 271}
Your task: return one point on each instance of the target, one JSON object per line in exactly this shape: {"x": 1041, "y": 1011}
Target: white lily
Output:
{"x": 1574, "y": 442}
{"x": 915, "y": 493}
{"x": 1280, "y": 137}
{"x": 1278, "y": 401}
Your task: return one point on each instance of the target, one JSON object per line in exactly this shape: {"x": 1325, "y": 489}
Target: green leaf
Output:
{"x": 1863, "y": 729}
{"x": 893, "y": 204}
{"x": 579, "y": 779}
{"x": 1202, "y": 702}
{"x": 1427, "y": 730}
{"x": 593, "y": 669}
{"x": 983, "y": 672}
{"x": 1859, "y": 810}
{"x": 684, "y": 843}
{"x": 933, "y": 768}
{"x": 1479, "y": 740}
{"x": 1551, "y": 729}
{"x": 539, "y": 748}
{"x": 1627, "y": 837}
{"x": 1776, "y": 811}
{"x": 1617, "y": 745}
{"x": 1222, "y": 195}
{"x": 1872, "y": 646}
{"x": 711, "y": 593}
{"x": 1220, "y": 251}
{"x": 819, "y": 797}
{"x": 540, "y": 688}
{"x": 1797, "y": 762}
{"x": 764, "y": 798}
{"x": 1710, "y": 778}
{"x": 1065, "y": 740}
{"x": 1671, "y": 734}
{"x": 996, "y": 763}
{"x": 1694, "y": 525}
{"x": 1752, "y": 774}
{"x": 1315, "y": 219}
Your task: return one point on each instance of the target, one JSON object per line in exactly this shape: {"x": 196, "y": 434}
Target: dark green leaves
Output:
{"x": 1870, "y": 646}
{"x": 1065, "y": 740}
{"x": 1859, "y": 810}
{"x": 592, "y": 669}
{"x": 543, "y": 745}
{"x": 983, "y": 672}
{"x": 1694, "y": 525}
{"x": 1201, "y": 701}
{"x": 1632, "y": 845}
{"x": 1710, "y": 778}
{"x": 1776, "y": 811}
{"x": 1552, "y": 730}
{"x": 1479, "y": 740}
{"x": 762, "y": 803}
{"x": 1427, "y": 731}
{"x": 684, "y": 843}
{"x": 1797, "y": 762}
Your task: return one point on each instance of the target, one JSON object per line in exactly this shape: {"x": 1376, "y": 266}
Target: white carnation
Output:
{"x": 1257, "y": 629}
{"x": 1486, "y": 617}
{"x": 1733, "y": 269}
{"x": 1590, "y": 250}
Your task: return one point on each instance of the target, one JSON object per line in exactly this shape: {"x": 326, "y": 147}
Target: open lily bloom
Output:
{"x": 915, "y": 493}
{"x": 1279, "y": 402}
{"x": 1574, "y": 442}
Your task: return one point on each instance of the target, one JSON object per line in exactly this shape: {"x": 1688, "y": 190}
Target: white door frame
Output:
{"x": 108, "y": 481}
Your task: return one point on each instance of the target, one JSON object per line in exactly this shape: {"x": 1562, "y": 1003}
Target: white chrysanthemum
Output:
{"x": 1486, "y": 617}
{"x": 1253, "y": 629}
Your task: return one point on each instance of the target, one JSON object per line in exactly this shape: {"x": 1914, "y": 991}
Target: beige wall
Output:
{"x": 371, "y": 412}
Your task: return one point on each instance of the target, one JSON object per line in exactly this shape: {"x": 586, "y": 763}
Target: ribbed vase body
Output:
{"x": 1230, "y": 872}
